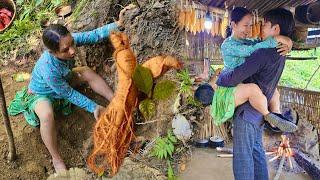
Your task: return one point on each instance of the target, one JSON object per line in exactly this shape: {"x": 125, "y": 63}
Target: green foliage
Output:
{"x": 143, "y": 80}
{"x": 80, "y": 5}
{"x": 296, "y": 74}
{"x": 186, "y": 81}
{"x": 164, "y": 149}
{"x": 148, "y": 108}
{"x": 163, "y": 90}
{"x": 164, "y": 146}
{"x": 27, "y": 22}
{"x": 171, "y": 175}
{"x": 192, "y": 101}
{"x": 186, "y": 87}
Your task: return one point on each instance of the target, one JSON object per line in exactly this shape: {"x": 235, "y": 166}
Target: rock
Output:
{"x": 137, "y": 171}
{"x": 72, "y": 173}
{"x": 192, "y": 118}
{"x": 181, "y": 128}
{"x": 158, "y": 5}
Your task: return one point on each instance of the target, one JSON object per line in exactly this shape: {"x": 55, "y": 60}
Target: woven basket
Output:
{"x": 305, "y": 102}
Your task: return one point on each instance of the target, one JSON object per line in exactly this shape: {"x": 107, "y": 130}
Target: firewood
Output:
{"x": 308, "y": 165}
{"x": 225, "y": 155}
{"x": 274, "y": 158}
{"x": 225, "y": 150}
{"x": 278, "y": 173}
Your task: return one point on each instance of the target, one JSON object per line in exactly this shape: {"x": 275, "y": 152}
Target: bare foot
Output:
{"x": 58, "y": 165}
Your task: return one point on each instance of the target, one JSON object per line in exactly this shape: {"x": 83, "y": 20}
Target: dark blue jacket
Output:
{"x": 264, "y": 68}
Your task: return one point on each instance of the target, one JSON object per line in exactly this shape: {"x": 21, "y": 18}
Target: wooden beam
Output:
{"x": 311, "y": 166}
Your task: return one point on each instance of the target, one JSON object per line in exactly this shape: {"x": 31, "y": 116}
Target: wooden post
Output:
{"x": 12, "y": 149}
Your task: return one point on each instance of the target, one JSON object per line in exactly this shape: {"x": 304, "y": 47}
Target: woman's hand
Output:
{"x": 98, "y": 111}
{"x": 285, "y": 45}
{"x": 121, "y": 14}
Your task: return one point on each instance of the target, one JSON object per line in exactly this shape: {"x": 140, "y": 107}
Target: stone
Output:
{"x": 158, "y": 5}
{"x": 136, "y": 171}
{"x": 181, "y": 128}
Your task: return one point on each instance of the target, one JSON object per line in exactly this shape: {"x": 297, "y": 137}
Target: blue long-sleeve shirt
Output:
{"x": 234, "y": 51}
{"x": 264, "y": 68}
{"x": 49, "y": 76}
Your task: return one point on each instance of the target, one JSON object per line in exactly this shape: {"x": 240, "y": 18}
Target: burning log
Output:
{"x": 284, "y": 152}
{"x": 308, "y": 165}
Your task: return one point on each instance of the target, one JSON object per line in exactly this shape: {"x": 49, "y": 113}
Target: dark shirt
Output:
{"x": 264, "y": 68}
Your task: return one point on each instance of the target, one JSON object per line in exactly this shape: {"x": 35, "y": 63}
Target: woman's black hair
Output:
{"x": 236, "y": 16}
{"x": 52, "y": 35}
{"x": 283, "y": 18}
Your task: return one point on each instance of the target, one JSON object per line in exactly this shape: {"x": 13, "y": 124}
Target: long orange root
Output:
{"x": 113, "y": 131}
{"x": 161, "y": 64}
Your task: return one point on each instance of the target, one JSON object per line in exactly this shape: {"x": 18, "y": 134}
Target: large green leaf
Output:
{"x": 163, "y": 90}
{"x": 148, "y": 108}
{"x": 143, "y": 80}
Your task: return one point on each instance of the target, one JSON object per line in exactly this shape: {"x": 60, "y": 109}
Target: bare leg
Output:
{"x": 252, "y": 93}
{"x": 275, "y": 102}
{"x": 48, "y": 132}
{"x": 97, "y": 83}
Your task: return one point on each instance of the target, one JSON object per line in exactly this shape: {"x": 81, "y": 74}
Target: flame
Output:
{"x": 284, "y": 149}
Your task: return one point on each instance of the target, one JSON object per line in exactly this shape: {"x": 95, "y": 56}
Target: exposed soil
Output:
{"x": 33, "y": 158}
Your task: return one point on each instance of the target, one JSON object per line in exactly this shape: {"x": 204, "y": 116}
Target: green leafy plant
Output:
{"x": 143, "y": 80}
{"x": 164, "y": 147}
{"x": 170, "y": 172}
{"x": 163, "y": 90}
{"x": 186, "y": 87}
{"x": 147, "y": 108}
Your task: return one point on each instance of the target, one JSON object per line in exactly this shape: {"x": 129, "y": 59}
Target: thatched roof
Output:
{"x": 261, "y": 5}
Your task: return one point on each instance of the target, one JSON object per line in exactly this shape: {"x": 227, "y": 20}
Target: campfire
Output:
{"x": 284, "y": 152}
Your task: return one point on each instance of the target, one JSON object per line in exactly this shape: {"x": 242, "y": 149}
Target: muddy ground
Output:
{"x": 33, "y": 158}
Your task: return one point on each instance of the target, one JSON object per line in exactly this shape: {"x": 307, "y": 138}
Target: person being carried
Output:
{"x": 234, "y": 51}
{"x": 264, "y": 68}
{"x": 54, "y": 77}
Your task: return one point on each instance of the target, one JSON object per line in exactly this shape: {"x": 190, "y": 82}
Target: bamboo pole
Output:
{"x": 280, "y": 168}
{"x": 12, "y": 149}
{"x": 225, "y": 155}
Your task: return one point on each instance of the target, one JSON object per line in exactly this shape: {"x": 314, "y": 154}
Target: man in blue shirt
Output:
{"x": 264, "y": 68}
